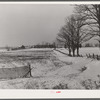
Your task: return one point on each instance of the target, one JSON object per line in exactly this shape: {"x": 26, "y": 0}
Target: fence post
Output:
{"x": 97, "y": 57}
{"x": 93, "y": 55}
{"x": 29, "y": 68}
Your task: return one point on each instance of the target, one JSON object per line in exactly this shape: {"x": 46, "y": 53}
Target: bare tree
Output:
{"x": 92, "y": 13}
{"x": 74, "y": 33}
{"x": 64, "y": 37}
{"x": 82, "y": 31}
{"x": 67, "y": 35}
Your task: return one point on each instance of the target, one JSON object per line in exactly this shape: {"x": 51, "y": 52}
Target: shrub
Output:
{"x": 91, "y": 84}
{"x": 61, "y": 86}
{"x": 83, "y": 69}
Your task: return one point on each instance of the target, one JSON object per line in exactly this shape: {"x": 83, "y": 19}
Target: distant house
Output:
{"x": 22, "y": 47}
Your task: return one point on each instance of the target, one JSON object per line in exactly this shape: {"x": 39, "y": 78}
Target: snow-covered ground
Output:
{"x": 57, "y": 71}
{"x": 85, "y": 50}
{"x": 3, "y": 50}
{"x": 91, "y": 50}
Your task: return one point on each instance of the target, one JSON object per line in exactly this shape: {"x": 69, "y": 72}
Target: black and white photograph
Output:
{"x": 50, "y": 46}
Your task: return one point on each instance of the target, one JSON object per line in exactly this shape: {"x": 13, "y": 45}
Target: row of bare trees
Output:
{"x": 80, "y": 27}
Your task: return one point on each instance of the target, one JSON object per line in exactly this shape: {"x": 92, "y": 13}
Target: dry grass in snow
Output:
{"x": 58, "y": 71}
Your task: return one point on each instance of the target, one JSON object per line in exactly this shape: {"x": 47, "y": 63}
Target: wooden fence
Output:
{"x": 93, "y": 56}
{"x": 61, "y": 51}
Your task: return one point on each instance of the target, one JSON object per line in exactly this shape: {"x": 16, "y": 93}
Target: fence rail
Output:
{"x": 93, "y": 56}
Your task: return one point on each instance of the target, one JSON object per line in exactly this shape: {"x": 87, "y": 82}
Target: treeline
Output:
{"x": 18, "y": 48}
{"x": 45, "y": 45}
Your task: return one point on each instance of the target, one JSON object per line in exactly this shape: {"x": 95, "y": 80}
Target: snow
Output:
{"x": 93, "y": 70}
{"x": 3, "y": 50}
{"x": 57, "y": 69}
{"x": 85, "y": 50}
{"x": 93, "y": 66}
{"x": 91, "y": 50}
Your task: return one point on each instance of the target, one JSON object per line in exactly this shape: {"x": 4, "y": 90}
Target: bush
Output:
{"x": 83, "y": 69}
{"x": 61, "y": 86}
{"x": 91, "y": 84}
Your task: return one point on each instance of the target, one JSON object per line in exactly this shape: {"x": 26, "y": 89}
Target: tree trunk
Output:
{"x": 73, "y": 52}
{"x": 77, "y": 51}
{"x": 69, "y": 52}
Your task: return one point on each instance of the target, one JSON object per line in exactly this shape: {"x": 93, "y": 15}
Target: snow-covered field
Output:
{"x": 91, "y": 50}
{"x": 85, "y": 50}
{"x": 54, "y": 70}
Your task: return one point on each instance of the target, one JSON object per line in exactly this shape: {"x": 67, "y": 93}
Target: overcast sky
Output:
{"x": 29, "y": 24}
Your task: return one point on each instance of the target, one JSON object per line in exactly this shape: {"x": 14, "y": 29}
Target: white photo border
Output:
{"x": 38, "y": 94}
